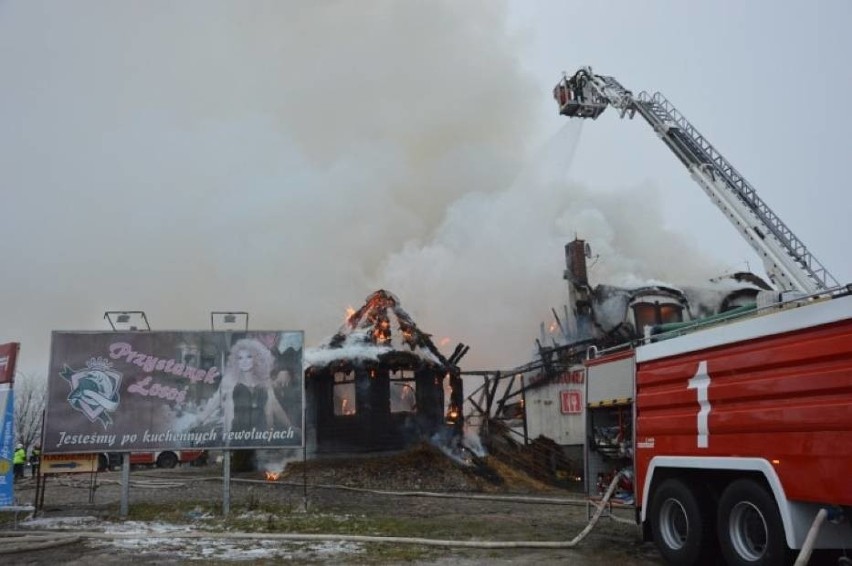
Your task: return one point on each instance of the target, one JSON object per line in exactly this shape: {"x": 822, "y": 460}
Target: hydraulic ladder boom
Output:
{"x": 788, "y": 262}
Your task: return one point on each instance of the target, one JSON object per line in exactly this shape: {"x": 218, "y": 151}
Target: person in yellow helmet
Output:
{"x": 19, "y": 458}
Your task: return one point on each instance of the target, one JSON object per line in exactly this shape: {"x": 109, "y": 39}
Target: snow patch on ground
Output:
{"x": 58, "y": 522}
{"x": 164, "y": 538}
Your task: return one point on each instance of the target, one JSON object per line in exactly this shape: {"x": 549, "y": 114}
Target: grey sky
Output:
{"x": 287, "y": 159}
{"x": 762, "y": 80}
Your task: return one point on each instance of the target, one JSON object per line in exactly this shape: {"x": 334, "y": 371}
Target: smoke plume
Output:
{"x": 287, "y": 159}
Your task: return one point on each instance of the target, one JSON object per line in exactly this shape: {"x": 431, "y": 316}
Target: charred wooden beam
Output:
{"x": 501, "y": 405}
{"x": 492, "y": 392}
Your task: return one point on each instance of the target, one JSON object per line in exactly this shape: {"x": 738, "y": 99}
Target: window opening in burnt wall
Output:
{"x": 403, "y": 391}
{"x": 344, "y": 393}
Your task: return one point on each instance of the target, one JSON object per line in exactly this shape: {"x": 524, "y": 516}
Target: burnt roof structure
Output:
{"x": 379, "y": 332}
{"x": 379, "y": 382}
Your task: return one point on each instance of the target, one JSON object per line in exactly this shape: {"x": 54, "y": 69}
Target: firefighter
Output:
{"x": 578, "y": 90}
{"x": 35, "y": 459}
{"x": 18, "y": 461}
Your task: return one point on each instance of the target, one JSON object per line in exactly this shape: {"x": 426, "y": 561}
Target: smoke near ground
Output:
{"x": 287, "y": 159}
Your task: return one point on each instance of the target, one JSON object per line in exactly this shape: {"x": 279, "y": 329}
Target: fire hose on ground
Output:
{"x": 810, "y": 538}
{"x": 142, "y": 484}
{"x": 28, "y": 543}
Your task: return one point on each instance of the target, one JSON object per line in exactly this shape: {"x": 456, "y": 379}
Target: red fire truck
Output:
{"x": 168, "y": 458}
{"x": 732, "y": 438}
{"x": 740, "y": 433}
{"x": 163, "y": 459}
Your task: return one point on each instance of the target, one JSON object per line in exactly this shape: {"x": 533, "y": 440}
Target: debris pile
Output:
{"x": 421, "y": 468}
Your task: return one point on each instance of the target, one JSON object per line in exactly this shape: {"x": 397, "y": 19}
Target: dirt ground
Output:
{"x": 346, "y": 497}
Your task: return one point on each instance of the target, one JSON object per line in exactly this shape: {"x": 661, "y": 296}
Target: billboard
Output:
{"x": 145, "y": 391}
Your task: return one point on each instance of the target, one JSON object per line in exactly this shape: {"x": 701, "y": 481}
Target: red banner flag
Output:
{"x": 8, "y": 354}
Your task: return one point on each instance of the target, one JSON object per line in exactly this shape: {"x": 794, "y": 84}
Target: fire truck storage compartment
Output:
{"x": 610, "y": 450}
{"x": 610, "y": 378}
{"x": 609, "y": 425}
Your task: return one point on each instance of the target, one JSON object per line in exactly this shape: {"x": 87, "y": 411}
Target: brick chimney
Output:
{"x": 575, "y": 263}
{"x": 581, "y": 324}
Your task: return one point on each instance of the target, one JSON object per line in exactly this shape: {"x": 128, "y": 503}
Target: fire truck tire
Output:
{"x": 682, "y": 528}
{"x": 749, "y": 526}
{"x": 167, "y": 460}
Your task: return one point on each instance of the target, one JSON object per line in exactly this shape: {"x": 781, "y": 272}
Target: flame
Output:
{"x": 380, "y": 336}
{"x": 552, "y": 328}
{"x": 350, "y": 312}
{"x": 272, "y": 476}
{"x": 452, "y": 415}
{"x": 444, "y": 341}
{"x": 344, "y": 407}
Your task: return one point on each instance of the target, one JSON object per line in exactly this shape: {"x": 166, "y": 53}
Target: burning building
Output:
{"x": 549, "y": 396}
{"x": 379, "y": 383}
{"x": 606, "y": 315}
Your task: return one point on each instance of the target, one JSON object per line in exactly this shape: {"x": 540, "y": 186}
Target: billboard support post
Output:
{"x": 38, "y": 488}
{"x": 226, "y": 482}
{"x": 93, "y": 484}
{"x": 38, "y": 475}
{"x": 43, "y": 479}
{"x": 123, "y": 317}
{"x": 125, "y": 484}
{"x": 305, "y": 476}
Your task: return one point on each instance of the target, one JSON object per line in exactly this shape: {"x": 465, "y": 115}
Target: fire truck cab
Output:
{"x": 733, "y": 437}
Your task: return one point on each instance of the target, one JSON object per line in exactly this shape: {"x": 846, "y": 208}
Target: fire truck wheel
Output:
{"x": 167, "y": 460}
{"x": 749, "y": 525}
{"x": 682, "y": 530}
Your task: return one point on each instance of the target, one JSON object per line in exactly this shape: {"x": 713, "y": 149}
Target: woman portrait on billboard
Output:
{"x": 246, "y": 391}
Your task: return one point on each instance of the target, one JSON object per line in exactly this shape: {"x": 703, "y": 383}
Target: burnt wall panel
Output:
{"x": 430, "y": 400}
{"x": 373, "y": 427}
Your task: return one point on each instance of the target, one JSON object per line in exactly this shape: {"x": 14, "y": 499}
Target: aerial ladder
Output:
{"x": 788, "y": 263}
